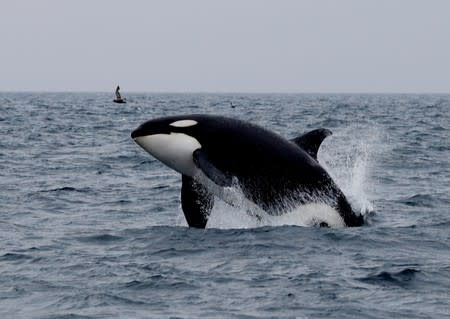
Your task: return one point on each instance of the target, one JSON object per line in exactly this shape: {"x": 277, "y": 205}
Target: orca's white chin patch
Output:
{"x": 174, "y": 149}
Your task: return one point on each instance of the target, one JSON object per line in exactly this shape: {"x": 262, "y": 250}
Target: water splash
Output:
{"x": 349, "y": 156}
{"x": 224, "y": 216}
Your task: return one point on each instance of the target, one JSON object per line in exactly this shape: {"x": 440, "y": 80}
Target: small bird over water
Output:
{"x": 232, "y": 105}
{"x": 119, "y": 98}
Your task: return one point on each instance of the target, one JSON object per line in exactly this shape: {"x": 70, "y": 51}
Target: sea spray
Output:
{"x": 349, "y": 155}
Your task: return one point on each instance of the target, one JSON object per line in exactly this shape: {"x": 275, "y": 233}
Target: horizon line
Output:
{"x": 236, "y": 92}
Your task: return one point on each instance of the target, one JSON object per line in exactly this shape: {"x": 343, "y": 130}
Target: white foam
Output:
{"x": 225, "y": 216}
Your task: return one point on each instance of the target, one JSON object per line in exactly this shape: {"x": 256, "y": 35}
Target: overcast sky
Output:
{"x": 225, "y": 46}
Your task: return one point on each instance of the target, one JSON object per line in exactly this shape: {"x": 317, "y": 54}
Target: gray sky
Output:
{"x": 225, "y": 46}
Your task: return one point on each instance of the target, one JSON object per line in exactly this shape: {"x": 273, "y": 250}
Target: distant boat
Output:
{"x": 119, "y": 98}
{"x": 232, "y": 106}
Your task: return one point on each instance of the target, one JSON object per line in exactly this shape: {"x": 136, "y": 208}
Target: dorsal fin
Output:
{"x": 311, "y": 141}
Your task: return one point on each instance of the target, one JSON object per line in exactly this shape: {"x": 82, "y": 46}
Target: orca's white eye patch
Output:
{"x": 183, "y": 123}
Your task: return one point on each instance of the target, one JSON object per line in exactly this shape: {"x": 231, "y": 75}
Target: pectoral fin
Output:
{"x": 213, "y": 173}
{"x": 196, "y": 202}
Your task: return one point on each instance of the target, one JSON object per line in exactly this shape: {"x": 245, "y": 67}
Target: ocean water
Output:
{"x": 91, "y": 225}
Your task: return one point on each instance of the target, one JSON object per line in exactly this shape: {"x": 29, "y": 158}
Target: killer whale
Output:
{"x": 215, "y": 153}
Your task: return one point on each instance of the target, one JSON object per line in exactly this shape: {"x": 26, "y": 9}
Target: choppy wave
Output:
{"x": 91, "y": 226}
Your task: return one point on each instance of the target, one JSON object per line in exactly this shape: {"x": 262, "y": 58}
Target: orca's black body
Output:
{"x": 274, "y": 173}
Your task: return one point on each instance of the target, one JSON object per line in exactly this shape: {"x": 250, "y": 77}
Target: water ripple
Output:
{"x": 91, "y": 225}
{"x": 402, "y": 278}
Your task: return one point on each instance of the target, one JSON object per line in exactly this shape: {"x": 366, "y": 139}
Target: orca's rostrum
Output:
{"x": 215, "y": 154}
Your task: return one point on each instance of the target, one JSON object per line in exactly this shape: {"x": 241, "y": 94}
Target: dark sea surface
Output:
{"x": 91, "y": 226}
